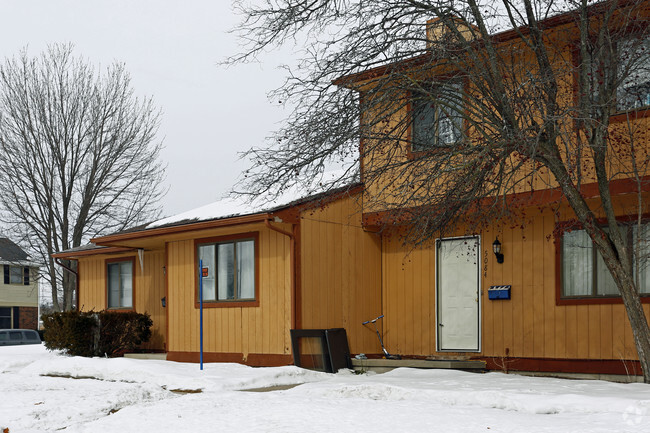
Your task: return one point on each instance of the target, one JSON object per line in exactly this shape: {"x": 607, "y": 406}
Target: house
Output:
{"x": 525, "y": 292}
{"x": 307, "y": 263}
{"x": 19, "y": 302}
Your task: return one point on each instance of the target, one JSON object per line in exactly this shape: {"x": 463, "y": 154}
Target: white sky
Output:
{"x": 172, "y": 50}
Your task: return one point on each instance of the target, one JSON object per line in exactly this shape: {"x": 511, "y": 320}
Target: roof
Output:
{"x": 228, "y": 211}
{"x": 506, "y": 35}
{"x": 10, "y": 252}
{"x": 329, "y": 183}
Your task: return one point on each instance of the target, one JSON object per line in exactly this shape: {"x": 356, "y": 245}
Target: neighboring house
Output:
{"x": 19, "y": 288}
{"x": 327, "y": 261}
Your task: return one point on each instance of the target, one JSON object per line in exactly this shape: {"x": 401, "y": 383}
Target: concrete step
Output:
{"x": 159, "y": 356}
{"x": 383, "y": 365}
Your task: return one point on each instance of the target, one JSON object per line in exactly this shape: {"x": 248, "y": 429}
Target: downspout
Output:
{"x": 76, "y": 274}
{"x": 292, "y": 261}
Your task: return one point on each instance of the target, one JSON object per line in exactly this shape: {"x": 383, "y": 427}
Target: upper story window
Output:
{"x": 120, "y": 284}
{"x": 634, "y": 90}
{"x": 18, "y": 275}
{"x": 584, "y": 273}
{"x": 437, "y": 118}
{"x": 228, "y": 270}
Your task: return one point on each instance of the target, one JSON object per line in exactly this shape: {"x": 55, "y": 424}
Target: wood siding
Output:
{"x": 263, "y": 329}
{"x": 148, "y": 291}
{"x": 341, "y": 273}
{"x": 529, "y": 325}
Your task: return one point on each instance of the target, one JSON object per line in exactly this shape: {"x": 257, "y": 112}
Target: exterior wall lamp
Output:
{"x": 496, "y": 247}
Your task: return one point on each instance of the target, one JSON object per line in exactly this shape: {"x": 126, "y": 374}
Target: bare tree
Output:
{"x": 79, "y": 156}
{"x": 521, "y": 94}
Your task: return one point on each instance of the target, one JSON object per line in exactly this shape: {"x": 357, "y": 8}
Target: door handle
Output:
{"x": 440, "y": 324}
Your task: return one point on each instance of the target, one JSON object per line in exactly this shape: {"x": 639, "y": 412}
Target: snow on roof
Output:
{"x": 242, "y": 205}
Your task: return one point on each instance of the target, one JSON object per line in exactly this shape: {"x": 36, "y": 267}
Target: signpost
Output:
{"x": 201, "y": 311}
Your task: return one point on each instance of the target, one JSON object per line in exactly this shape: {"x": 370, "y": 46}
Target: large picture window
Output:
{"x": 437, "y": 116}
{"x": 120, "y": 284}
{"x": 228, "y": 270}
{"x": 584, "y": 273}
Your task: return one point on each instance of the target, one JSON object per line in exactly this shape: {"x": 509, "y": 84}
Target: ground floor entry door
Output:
{"x": 457, "y": 294}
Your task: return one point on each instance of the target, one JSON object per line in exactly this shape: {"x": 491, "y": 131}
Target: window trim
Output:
{"x": 133, "y": 268}
{"x": 411, "y": 152}
{"x": 235, "y": 302}
{"x": 616, "y": 116}
{"x": 570, "y": 225}
{"x": 25, "y": 271}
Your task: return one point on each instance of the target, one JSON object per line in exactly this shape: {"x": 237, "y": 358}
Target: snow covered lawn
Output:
{"x": 44, "y": 391}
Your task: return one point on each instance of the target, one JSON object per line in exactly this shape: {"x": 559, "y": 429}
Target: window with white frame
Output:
{"x": 584, "y": 273}
{"x": 18, "y": 275}
{"x": 437, "y": 118}
{"x": 120, "y": 284}
{"x": 228, "y": 270}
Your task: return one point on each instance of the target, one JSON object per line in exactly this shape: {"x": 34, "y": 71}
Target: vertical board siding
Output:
{"x": 262, "y": 329}
{"x": 148, "y": 291}
{"x": 530, "y": 324}
{"x": 341, "y": 273}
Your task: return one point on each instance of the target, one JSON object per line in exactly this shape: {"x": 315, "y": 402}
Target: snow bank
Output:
{"x": 50, "y": 392}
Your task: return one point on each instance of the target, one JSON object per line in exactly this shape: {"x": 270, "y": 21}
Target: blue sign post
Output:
{"x": 201, "y": 310}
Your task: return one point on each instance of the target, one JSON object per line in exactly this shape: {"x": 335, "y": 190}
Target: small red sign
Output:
{"x": 204, "y": 272}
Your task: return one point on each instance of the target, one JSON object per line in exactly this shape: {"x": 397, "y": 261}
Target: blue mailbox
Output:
{"x": 499, "y": 292}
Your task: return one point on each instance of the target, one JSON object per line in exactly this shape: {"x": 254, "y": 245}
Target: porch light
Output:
{"x": 496, "y": 247}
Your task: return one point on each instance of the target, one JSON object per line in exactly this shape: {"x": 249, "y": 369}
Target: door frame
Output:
{"x": 479, "y": 291}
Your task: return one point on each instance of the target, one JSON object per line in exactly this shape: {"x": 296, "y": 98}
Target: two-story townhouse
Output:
{"x": 525, "y": 291}
{"x": 519, "y": 284}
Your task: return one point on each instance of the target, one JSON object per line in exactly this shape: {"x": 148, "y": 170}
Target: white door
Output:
{"x": 458, "y": 270}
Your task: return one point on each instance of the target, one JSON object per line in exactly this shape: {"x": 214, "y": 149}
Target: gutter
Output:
{"x": 181, "y": 227}
{"x": 292, "y": 265}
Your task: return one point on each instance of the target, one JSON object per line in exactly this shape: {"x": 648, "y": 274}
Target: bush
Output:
{"x": 106, "y": 333}
{"x": 70, "y": 331}
{"x": 123, "y": 332}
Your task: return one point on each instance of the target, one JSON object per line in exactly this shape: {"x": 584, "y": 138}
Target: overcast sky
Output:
{"x": 172, "y": 50}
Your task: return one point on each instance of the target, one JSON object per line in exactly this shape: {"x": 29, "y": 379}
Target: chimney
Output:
{"x": 438, "y": 32}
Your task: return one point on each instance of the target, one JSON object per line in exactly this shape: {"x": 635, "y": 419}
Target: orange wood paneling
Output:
{"x": 148, "y": 290}
{"x": 262, "y": 329}
{"x": 528, "y": 325}
{"x": 341, "y": 272}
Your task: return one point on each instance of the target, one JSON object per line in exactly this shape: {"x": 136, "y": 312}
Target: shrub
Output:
{"x": 70, "y": 331}
{"x": 123, "y": 332}
{"x": 106, "y": 333}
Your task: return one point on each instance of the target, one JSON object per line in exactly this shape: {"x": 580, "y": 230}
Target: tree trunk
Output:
{"x": 69, "y": 287}
{"x": 639, "y": 324}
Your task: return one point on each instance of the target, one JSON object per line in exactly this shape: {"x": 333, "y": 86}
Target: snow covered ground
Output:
{"x": 44, "y": 391}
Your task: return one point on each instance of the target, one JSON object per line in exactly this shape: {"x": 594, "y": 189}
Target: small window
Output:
{"x": 120, "y": 284}
{"x": 634, "y": 90}
{"x": 437, "y": 116}
{"x": 584, "y": 273}
{"x": 228, "y": 270}
{"x": 5, "y": 318}
{"x": 31, "y": 336}
{"x": 17, "y": 275}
